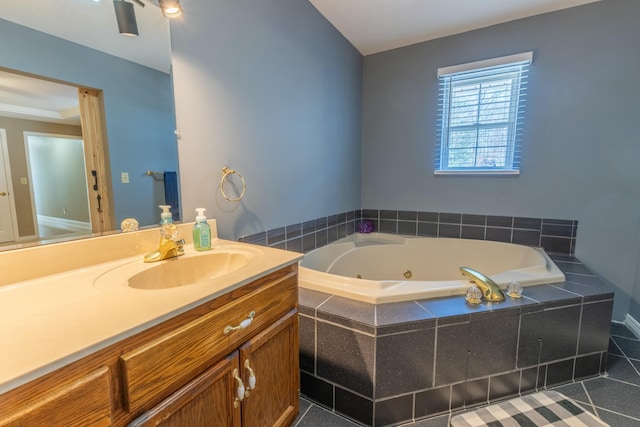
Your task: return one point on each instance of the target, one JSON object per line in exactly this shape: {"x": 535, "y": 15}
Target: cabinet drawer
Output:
{"x": 85, "y": 401}
{"x": 160, "y": 367}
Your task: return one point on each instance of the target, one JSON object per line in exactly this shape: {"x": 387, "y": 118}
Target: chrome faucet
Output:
{"x": 168, "y": 249}
{"x": 490, "y": 289}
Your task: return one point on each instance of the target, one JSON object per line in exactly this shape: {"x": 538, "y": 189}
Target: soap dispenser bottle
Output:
{"x": 168, "y": 229}
{"x": 201, "y": 232}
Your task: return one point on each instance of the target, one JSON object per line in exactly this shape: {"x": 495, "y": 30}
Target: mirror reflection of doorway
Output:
{"x": 58, "y": 184}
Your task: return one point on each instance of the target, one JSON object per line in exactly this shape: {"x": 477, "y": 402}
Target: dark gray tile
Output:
{"x": 322, "y": 223}
{"x": 556, "y": 244}
{"x": 582, "y": 279}
{"x": 408, "y": 215}
{"x": 499, "y": 221}
{"x": 595, "y": 327}
{"x": 614, "y": 349}
{"x": 402, "y": 312}
{"x": 387, "y": 214}
{"x": 636, "y": 363}
{"x": 559, "y": 333}
{"x": 345, "y": 357}
{"x": 370, "y": 213}
{"x": 448, "y": 230}
{"x": 472, "y": 232}
{"x": 388, "y": 226}
{"x": 620, "y": 330}
{"x": 434, "y": 401}
{"x": 493, "y": 343}
{"x": 316, "y": 389}
{"x": 428, "y": 216}
{"x": 317, "y": 416}
{"x": 526, "y": 237}
{"x": 257, "y": 239}
{"x": 342, "y": 231}
{"x": 587, "y": 366}
{"x": 501, "y": 386}
{"x": 408, "y": 370}
{"x": 530, "y": 340}
{"x": 304, "y": 407}
{"x": 294, "y": 230}
{"x": 563, "y": 257}
{"x": 572, "y": 267}
{"x": 311, "y": 298}
{"x": 407, "y": 228}
{"x": 476, "y": 392}
{"x": 321, "y": 238}
{"x": 332, "y": 234}
{"x": 527, "y": 223}
{"x": 620, "y": 368}
{"x": 452, "y": 354}
{"x": 551, "y": 295}
{"x": 573, "y": 391}
{"x": 307, "y": 343}
{"x": 452, "y": 306}
{"x": 394, "y": 411}
{"x": 560, "y": 372}
{"x": 427, "y": 229}
{"x": 528, "y": 380}
{"x": 498, "y": 234}
{"x": 333, "y": 220}
{"x": 457, "y": 395}
{"x": 353, "y": 406}
{"x": 468, "y": 219}
{"x": 308, "y": 242}
{"x": 614, "y": 396}
{"x": 276, "y": 235}
{"x": 308, "y": 227}
{"x": 441, "y": 421}
{"x": 589, "y": 293}
{"x": 348, "y": 312}
{"x": 450, "y": 218}
{"x": 557, "y": 230}
{"x": 295, "y": 245}
{"x": 617, "y": 420}
{"x": 630, "y": 347}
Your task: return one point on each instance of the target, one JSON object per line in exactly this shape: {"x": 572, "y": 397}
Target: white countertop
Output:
{"x": 51, "y": 321}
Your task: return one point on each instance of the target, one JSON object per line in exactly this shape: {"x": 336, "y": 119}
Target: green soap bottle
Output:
{"x": 201, "y": 232}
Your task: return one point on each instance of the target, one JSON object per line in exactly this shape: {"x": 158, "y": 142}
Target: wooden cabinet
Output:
{"x": 184, "y": 371}
{"x": 212, "y": 399}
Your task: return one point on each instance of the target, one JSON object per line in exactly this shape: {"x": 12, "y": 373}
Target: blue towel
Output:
{"x": 171, "y": 196}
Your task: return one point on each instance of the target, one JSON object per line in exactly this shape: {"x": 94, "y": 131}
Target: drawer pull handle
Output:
{"x": 252, "y": 377}
{"x": 244, "y": 324}
{"x": 240, "y": 391}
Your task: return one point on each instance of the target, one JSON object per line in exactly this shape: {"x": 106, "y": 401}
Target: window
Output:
{"x": 480, "y": 116}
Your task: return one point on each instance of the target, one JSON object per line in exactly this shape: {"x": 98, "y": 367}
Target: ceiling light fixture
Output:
{"x": 126, "y": 17}
{"x": 170, "y": 8}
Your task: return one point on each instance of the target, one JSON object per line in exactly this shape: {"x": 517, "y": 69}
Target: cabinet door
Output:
{"x": 273, "y": 357}
{"x": 207, "y": 401}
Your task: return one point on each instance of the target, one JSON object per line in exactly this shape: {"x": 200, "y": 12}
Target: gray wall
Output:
{"x": 581, "y": 144}
{"x": 271, "y": 89}
{"x": 138, "y": 105}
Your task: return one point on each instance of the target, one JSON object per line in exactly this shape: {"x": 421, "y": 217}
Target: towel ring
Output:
{"x": 225, "y": 173}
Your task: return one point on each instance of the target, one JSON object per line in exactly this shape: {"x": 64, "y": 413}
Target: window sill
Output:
{"x": 478, "y": 172}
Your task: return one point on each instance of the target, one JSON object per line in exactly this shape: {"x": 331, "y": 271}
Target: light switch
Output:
{"x": 23, "y": 180}
{"x": 125, "y": 177}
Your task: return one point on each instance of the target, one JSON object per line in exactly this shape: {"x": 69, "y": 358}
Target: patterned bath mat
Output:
{"x": 543, "y": 409}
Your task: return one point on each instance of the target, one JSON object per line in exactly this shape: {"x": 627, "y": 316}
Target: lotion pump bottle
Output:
{"x": 201, "y": 232}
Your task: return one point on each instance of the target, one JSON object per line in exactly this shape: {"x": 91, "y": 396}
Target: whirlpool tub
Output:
{"x": 379, "y": 268}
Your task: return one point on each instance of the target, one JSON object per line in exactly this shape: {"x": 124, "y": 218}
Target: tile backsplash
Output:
{"x": 554, "y": 235}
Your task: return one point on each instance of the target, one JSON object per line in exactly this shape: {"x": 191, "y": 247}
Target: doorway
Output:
{"x": 7, "y": 206}
{"x": 58, "y": 184}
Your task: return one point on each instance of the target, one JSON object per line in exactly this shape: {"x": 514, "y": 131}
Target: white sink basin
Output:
{"x": 185, "y": 270}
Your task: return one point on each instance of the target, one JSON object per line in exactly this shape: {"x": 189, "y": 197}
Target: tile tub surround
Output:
{"x": 393, "y": 363}
{"x": 553, "y": 235}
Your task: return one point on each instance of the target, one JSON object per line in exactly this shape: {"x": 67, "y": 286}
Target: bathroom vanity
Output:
{"x": 223, "y": 353}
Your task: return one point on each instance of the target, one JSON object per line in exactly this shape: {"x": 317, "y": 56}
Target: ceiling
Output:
{"x": 370, "y": 25}
{"x": 377, "y": 25}
{"x": 93, "y": 23}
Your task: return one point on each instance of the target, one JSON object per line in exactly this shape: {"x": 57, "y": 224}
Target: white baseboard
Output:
{"x": 64, "y": 224}
{"x": 633, "y": 325}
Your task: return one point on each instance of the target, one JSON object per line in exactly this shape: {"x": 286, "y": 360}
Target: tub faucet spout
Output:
{"x": 490, "y": 289}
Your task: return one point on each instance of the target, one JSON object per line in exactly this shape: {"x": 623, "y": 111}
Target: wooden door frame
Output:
{"x": 94, "y": 134}
{"x": 4, "y": 146}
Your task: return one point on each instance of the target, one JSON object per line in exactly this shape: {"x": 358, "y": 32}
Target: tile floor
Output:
{"x": 614, "y": 397}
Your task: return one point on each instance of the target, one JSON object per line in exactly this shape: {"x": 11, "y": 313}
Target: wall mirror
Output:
{"x": 65, "y": 50}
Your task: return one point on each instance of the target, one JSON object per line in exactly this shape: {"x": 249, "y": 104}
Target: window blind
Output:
{"x": 481, "y": 115}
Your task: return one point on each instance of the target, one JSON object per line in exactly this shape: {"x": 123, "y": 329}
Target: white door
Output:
{"x": 6, "y": 217}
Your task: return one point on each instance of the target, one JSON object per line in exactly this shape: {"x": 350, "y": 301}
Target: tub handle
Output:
{"x": 244, "y": 324}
